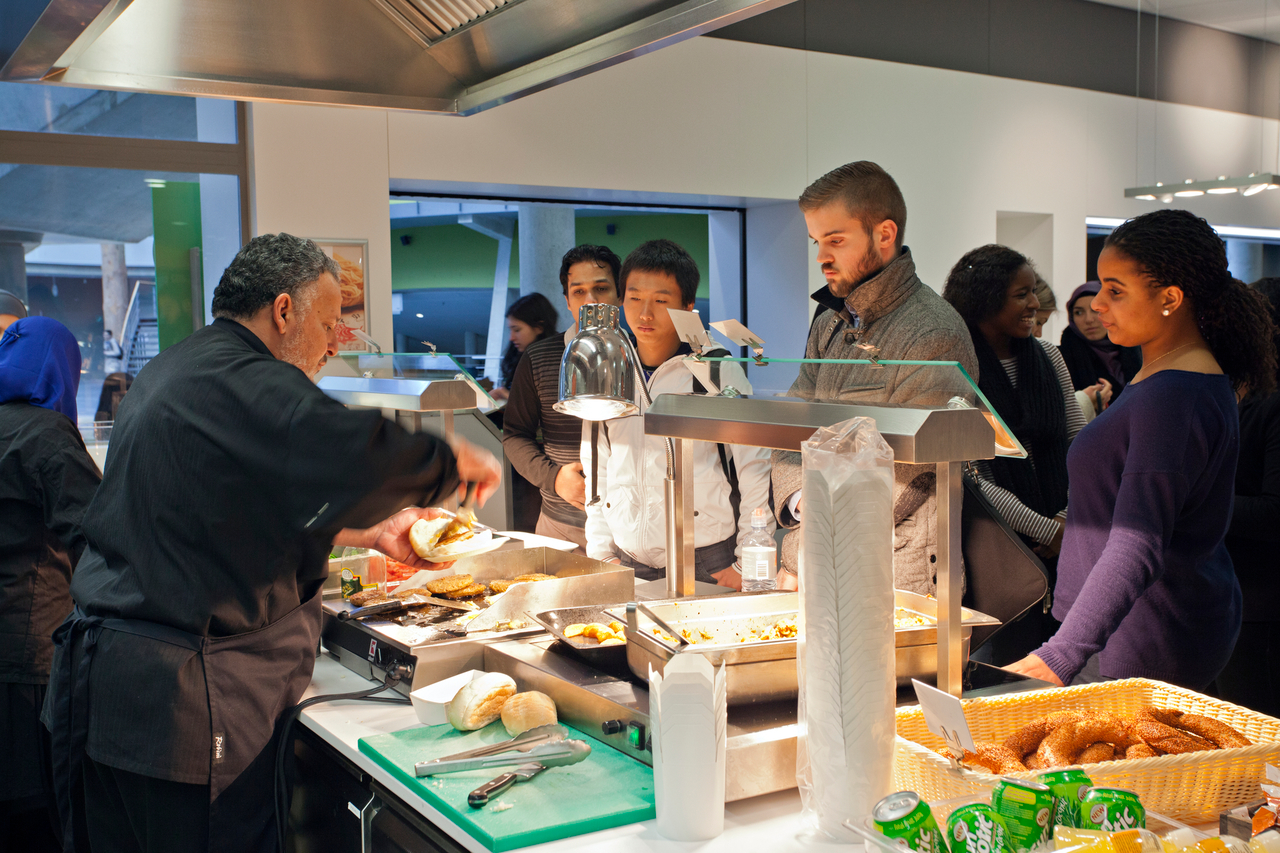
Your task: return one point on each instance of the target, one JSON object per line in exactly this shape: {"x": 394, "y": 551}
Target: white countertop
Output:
{"x": 771, "y": 822}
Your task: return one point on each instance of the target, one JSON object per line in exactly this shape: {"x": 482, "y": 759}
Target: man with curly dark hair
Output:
{"x": 1145, "y": 584}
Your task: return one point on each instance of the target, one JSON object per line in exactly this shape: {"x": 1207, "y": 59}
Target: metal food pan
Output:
{"x": 555, "y": 622}
{"x": 766, "y": 670}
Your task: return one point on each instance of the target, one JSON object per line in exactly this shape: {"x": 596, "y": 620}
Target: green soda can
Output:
{"x": 1027, "y": 810}
{"x": 1112, "y": 810}
{"x": 1069, "y": 788}
{"x": 909, "y": 821}
{"x": 976, "y": 828}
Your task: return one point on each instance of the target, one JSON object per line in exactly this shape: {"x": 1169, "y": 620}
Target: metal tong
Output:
{"x": 465, "y": 519}
{"x": 633, "y": 626}
{"x": 556, "y": 754}
{"x": 395, "y": 605}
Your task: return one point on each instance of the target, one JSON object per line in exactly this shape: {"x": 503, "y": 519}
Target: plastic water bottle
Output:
{"x": 759, "y": 555}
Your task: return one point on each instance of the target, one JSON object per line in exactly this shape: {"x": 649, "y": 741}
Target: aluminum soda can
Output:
{"x": 1027, "y": 810}
{"x": 1068, "y": 787}
{"x": 1112, "y": 810}
{"x": 909, "y": 821}
{"x": 977, "y": 828}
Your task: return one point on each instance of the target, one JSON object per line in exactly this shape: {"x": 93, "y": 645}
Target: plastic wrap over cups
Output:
{"x": 846, "y": 654}
{"x": 688, "y": 715}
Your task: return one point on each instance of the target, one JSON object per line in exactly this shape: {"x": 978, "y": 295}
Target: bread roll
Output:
{"x": 480, "y": 702}
{"x": 425, "y": 533}
{"x": 525, "y": 711}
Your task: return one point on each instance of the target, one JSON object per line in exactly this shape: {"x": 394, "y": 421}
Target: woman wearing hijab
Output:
{"x": 1098, "y": 367}
{"x": 47, "y": 479}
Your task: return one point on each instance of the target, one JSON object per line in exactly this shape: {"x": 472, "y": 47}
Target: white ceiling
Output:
{"x": 1256, "y": 18}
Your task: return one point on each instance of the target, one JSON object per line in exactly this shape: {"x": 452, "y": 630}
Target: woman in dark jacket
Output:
{"x": 47, "y": 479}
{"x": 1252, "y": 676}
{"x": 529, "y": 319}
{"x": 1025, "y": 379}
{"x": 1090, "y": 356}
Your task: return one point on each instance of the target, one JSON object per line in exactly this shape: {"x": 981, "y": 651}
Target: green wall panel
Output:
{"x": 447, "y": 256}
{"x": 175, "y": 214}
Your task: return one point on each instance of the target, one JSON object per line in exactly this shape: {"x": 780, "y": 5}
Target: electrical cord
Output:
{"x": 281, "y": 789}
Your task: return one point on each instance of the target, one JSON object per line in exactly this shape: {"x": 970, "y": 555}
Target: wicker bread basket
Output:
{"x": 1194, "y": 787}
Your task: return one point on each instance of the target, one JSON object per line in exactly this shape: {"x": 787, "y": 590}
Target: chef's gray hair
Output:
{"x": 267, "y": 266}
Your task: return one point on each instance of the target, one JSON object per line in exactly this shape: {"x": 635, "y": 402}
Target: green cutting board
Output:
{"x": 607, "y": 789}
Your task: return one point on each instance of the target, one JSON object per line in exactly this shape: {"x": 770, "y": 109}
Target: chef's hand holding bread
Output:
{"x": 392, "y": 536}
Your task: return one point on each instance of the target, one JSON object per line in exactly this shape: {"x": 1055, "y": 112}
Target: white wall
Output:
{"x": 321, "y": 172}
{"x": 712, "y": 118}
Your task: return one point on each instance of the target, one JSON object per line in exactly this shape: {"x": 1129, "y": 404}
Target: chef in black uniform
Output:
{"x": 230, "y": 477}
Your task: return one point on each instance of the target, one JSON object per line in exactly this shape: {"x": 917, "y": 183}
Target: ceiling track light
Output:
{"x": 1248, "y": 185}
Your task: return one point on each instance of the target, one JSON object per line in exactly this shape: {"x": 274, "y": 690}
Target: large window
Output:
{"x": 456, "y": 263}
{"x": 118, "y": 212}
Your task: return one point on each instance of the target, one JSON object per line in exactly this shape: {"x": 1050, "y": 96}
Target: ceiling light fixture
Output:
{"x": 1248, "y": 185}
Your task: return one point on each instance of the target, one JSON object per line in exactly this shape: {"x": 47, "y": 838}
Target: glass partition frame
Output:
{"x": 410, "y": 365}
{"x": 948, "y": 372}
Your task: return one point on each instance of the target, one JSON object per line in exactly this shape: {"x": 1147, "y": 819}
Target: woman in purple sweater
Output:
{"x": 1145, "y": 584}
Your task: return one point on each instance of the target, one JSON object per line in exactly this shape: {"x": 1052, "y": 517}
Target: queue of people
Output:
{"x": 194, "y": 567}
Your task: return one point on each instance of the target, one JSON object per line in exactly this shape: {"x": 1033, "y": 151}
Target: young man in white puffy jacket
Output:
{"x": 627, "y": 524}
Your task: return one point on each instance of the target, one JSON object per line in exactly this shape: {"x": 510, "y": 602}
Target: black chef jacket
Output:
{"x": 229, "y": 473}
{"x": 47, "y": 478}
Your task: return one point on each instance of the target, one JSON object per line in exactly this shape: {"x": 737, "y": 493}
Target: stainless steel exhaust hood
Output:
{"x": 454, "y": 57}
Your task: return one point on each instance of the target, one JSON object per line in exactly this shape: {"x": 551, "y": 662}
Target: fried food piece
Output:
{"x": 615, "y": 626}
{"x": 595, "y": 630}
{"x": 1062, "y": 746}
{"x": 467, "y": 591}
{"x": 500, "y": 585}
{"x": 533, "y": 577}
{"x": 1096, "y": 753}
{"x": 614, "y": 641}
{"x": 994, "y": 757}
{"x": 448, "y": 584}
{"x": 1215, "y": 732}
{"x": 574, "y": 630}
{"x": 1140, "y": 750}
{"x": 1027, "y": 739}
{"x": 409, "y": 593}
{"x": 365, "y": 597}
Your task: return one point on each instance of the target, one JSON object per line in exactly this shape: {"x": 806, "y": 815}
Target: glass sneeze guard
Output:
{"x": 913, "y": 384}
{"x": 408, "y": 365}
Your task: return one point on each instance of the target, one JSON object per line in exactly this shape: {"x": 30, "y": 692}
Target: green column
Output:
{"x": 175, "y": 214}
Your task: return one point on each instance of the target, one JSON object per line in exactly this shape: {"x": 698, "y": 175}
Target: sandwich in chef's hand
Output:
{"x": 439, "y": 540}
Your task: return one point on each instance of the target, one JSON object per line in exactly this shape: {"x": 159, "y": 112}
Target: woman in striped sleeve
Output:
{"x": 1027, "y": 382}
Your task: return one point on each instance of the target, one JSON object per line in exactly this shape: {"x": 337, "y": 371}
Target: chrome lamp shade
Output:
{"x": 598, "y": 371}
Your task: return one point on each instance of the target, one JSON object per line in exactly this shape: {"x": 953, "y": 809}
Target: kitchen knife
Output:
{"x": 547, "y": 754}
{"x": 481, "y": 796}
{"x": 552, "y": 733}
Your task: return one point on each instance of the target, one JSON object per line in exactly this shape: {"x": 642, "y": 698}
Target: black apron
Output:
{"x": 252, "y": 679}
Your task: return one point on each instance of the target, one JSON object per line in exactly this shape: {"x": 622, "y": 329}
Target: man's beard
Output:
{"x": 868, "y": 265}
{"x": 293, "y": 350}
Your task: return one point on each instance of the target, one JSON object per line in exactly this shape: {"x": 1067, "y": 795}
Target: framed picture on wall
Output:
{"x": 352, "y": 257}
